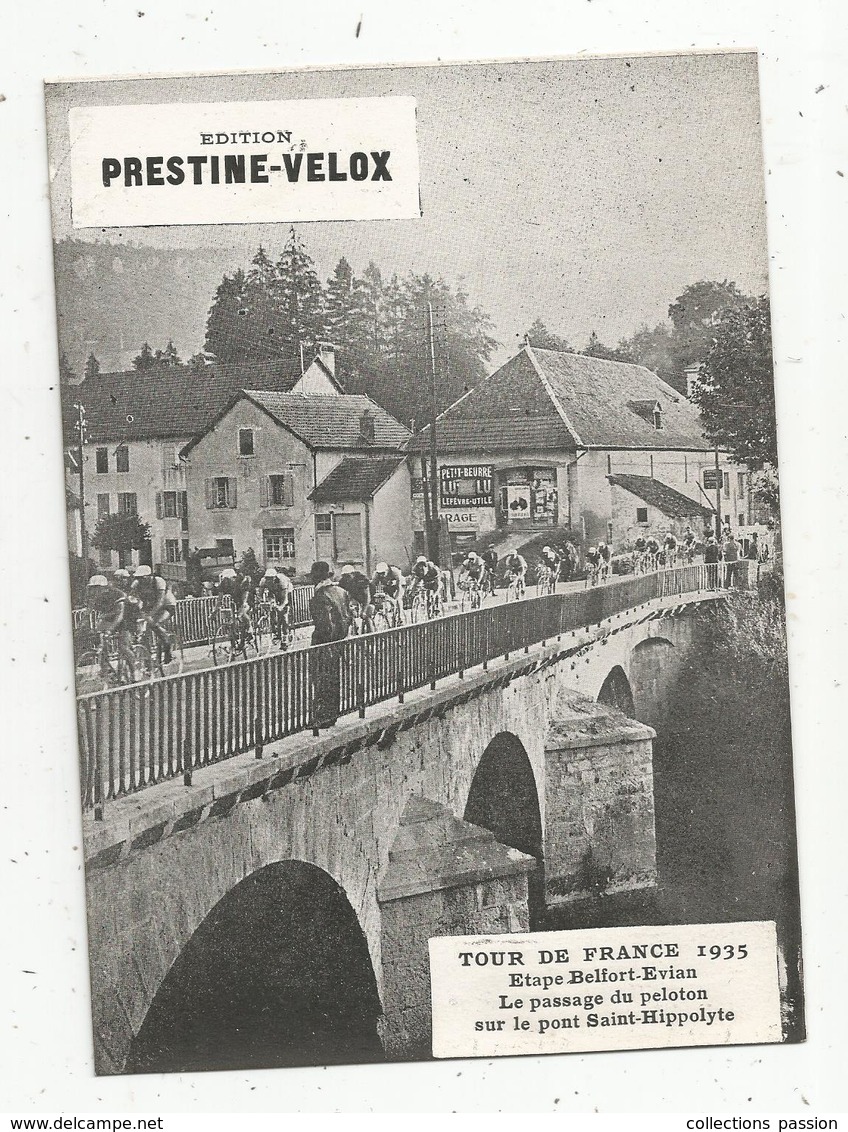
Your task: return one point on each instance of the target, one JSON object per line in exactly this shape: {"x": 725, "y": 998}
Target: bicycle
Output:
{"x": 472, "y": 593}
{"x": 280, "y": 627}
{"x": 115, "y": 661}
{"x": 230, "y": 636}
{"x": 516, "y": 588}
{"x": 149, "y": 651}
{"x": 425, "y": 605}
{"x": 546, "y": 580}
{"x": 386, "y": 612}
{"x": 593, "y": 574}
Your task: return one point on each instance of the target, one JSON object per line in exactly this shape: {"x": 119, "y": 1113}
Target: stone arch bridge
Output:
{"x": 461, "y": 810}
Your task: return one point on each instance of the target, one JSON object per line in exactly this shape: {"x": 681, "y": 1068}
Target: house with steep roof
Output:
{"x": 547, "y": 441}
{"x": 298, "y": 477}
{"x": 137, "y": 422}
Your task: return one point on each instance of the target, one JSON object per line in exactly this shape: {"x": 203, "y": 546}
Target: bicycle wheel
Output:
{"x": 222, "y": 645}
{"x": 143, "y": 663}
{"x": 476, "y": 597}
{"x": 262, "y": 634}
{"x": 419, "y": 609}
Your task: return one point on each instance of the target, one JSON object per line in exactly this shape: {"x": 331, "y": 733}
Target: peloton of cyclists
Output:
{"x": 240, "y": 590}
{"x": 389, "y": 581}
{"x": 515, "y": 570}
{"x": 158, "y": 605}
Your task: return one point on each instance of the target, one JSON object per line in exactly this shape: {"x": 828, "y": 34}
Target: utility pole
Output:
{"x": 718, "y": 497}
{"x": 80, "y": 408}
{"x": 434, "y": 506}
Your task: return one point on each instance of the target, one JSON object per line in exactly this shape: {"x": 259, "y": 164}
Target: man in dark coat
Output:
{"x": 330, "y": 611}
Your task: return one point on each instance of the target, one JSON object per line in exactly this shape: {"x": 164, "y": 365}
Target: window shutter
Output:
{"x": 159, "y": 506}
{"x": 163, "y": 550}
{"x": 233, "y": 491}
{"x": 210, "y": 499}
{"x": 264, "y": 491}
{"x": 182, "y": 503}
{"x": 288, "y": 491}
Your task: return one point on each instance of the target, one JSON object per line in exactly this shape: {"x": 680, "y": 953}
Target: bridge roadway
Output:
{"x": 468, "y": 808}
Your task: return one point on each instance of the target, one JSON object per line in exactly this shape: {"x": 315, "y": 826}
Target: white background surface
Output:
{"x": 45, "y": 1060}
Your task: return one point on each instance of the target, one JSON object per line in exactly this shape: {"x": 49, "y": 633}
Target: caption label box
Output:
{"x": 605, "y": 989}
{"x": 244, "y": 162}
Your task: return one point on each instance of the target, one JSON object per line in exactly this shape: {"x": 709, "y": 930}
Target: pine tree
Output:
{"x": 344, "y": 306}
{"x": 539, "y": 335}
{"x": 168, "y": 358}
{"x": 145, "y": 359}
{"x": 299, "y": 296}
{"x": 92, "y": 366}
{"x": 66, "y": 374}
{"x": 227, "y": 336}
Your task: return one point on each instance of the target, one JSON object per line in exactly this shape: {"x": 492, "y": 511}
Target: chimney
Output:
{"x": 326, "y": 351}
{"x": 693, "y": 374}
{"x": 366, "y": 427}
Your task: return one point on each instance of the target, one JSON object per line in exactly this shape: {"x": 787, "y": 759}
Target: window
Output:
{"x": 184, "y": 547}
{"x": 741, "y": 519}
{"x": 726, "y": 485}
{"x": 281, "y": 491}
{"x": 122, "y": 459}
{"x": 224, "y": 546}
{"x": 324, "y": 524}
{"x": 279, "y": 544}
{"x": 125, "y": 559}
{"x": 245, "y": 441}
{"x": 102, "y": 504}
{"x": 641, "y": 514}
{"x": 127, "y": 502}
{"x": 101, "y": 460}
{"x": 173, "y": 551}
{"x": 220, "y": 492}
{"x": 740, "y": 482}
{"x": 169, "y": 505}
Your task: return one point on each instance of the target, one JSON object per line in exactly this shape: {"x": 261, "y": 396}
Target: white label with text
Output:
{"x": 605, "y": 989}
{"x": 244, "y": 162}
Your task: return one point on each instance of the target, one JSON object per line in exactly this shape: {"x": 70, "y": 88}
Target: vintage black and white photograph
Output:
{"x": 425, "y": 548}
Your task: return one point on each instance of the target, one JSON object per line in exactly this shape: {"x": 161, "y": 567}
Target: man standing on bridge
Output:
{"x": 331, "y": 617}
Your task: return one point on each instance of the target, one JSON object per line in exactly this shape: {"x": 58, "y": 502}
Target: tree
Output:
{"x": 596, "y": 349}
{"x": 539, "y": 335}
{"x": 168, "y": 358}
{"x": 347, "y": 316}
{"x": 122, "y": 531}
{"x": 66, "y": 374}
{"x": 145, "y": 359}
{"x": 652, "y": 348}
{"x": 735, "y": 389}
{"x": 228, "y": 333}
{"x": 299, "y": 296}
{"x": 92, "y": 366}
{"x": 693, "y": 317}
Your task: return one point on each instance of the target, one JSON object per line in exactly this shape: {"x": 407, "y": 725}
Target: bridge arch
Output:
{"x": 503, "y": 797}
{"x": 616, "y": 691}
{"x": 278, "y": 973}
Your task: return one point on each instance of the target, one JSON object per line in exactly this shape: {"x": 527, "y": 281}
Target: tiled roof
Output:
{"x": 331, "y": 422}
{"x": 511, "y": 409}
{"x": 355, "y": 478}
{"x": 162, "y": 403}
{"x": 666, "y": 499}
{"x": 547, "y": 399}
{"x": 605, "y": 403}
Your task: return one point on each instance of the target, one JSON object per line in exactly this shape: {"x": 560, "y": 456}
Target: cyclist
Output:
{"x": 276, "y": 588}
{"x": 549, "y": 568}
{"x": 652, "y": 548}
{"x": 640, "y": 549}
{"x": 158, "y": 605}
{"x": 388, "y": 580}
{"x": 490, "y": 557}
{"x": 593, "y": 564}
{"x": 116, "y": 612}
{"x": 122, "y": 579}
{"x": 689, "y": 543}
{"x": 358, "y": 588}
{"x": 604, "y": 561}
{"x": 515, "y": 569}
{"x": 670, "y": 548}
{"x": 426, "y": 575}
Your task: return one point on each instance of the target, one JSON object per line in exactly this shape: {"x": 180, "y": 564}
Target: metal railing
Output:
{"x": 193, "y": 616}
{"x": 135, "y": 736}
